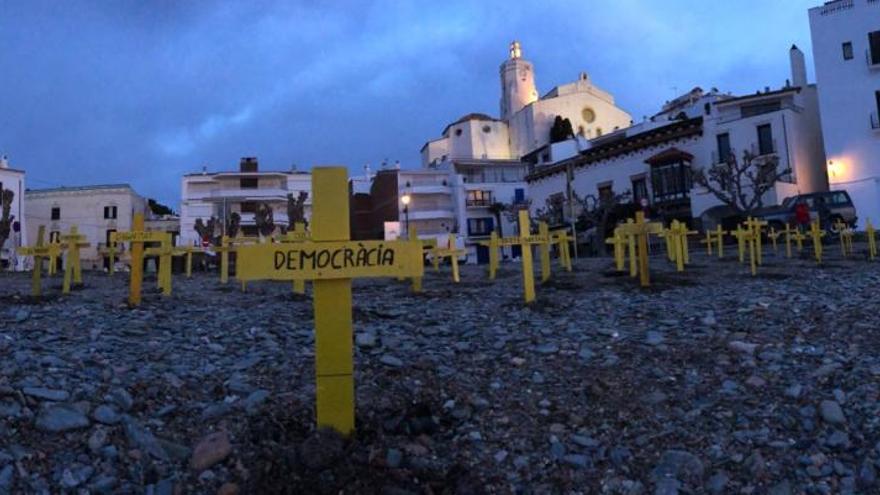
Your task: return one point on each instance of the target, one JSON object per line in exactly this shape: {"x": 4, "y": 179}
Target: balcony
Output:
{"x": 478, "y": 203}
{"x": 430, "y": 189}
{"x": 218, "y": 195}
{"x": 429, "y": 214}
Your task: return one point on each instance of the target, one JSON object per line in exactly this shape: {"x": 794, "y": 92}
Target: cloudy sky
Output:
{"x": 144, "y": 91}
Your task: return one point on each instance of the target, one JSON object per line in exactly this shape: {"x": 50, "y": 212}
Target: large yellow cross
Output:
{"x": 816, "y": 234}
{"x": 164, "y": 252}
{"x": 619, "y": 241}
{"x": 39, "y": 251}
{"x": 638, "y": 231}
{"x": 331, "y": 261}
{"x": 72, "y": 242}
{"x": 756, "y": 226}
{"x": 846, "y": 237}
{"x": 451, "y": 252}
{"x": 561, "y": 239}
{"x": 494, "y": 244}
{"x": 136, "y": 238}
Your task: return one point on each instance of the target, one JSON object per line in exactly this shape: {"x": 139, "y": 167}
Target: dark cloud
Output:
{"x": 142, "y": 92}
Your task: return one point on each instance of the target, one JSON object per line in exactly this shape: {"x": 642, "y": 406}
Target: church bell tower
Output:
{"x": 517, "y": 83}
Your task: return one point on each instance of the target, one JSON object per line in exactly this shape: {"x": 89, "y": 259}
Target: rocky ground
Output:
{"x": 711, "y": 381}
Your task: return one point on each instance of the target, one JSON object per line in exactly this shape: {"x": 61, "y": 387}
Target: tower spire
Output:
{"x": 515, "y": 50}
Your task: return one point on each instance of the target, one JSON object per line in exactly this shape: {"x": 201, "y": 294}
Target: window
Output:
{"x": 874, "y": 44}
{"x": 458, "y": 132}
{"x": 765, "y": 139}
{"x": 723, "y": 141}
{"x": 249, "y": 207}
{"x": 479, "y": 198}
{"x": 487, "y": 129}
{"x": 639, "y": 190}
{"x": 671, "y": 181}
{"x": 588, "y": 115}
{"x": 110, "y": 212}
{"x": 606, "y": 193}
{"x": 519, "y": 195}
{"x": 56, "y": 213}
{"x": 847, "y": 51}
{"x": 480, "y": 226}
{"x": 249, "y": 183}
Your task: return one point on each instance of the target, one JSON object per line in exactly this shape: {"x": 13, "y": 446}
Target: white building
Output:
{"x": 481, "y": 158}
{"x": 13, "y": 180}
{"x": 96, "y": 211}
{"x": 219, "y": 194}
{"x": 846, "y": 51}
{"x": 654, "y": 159}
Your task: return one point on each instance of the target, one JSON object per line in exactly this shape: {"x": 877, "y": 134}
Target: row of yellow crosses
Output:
{"x": 631, "y": 240}
{"x": 326, "y": 257}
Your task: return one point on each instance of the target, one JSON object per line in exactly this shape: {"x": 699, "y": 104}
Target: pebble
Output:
{"x": 61, "y": 417}
{"x": 392, "y": 361}
{"x": 831, "y": 412}
{"x": 210, "y": 450}
{"x": 105, "y": 414}
{"x": 47, "y": 394}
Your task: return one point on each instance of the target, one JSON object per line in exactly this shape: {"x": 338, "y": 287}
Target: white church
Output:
{"x": 525, "y": 118}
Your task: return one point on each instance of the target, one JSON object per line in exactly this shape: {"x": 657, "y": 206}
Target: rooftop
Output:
{"x": 80, "y": 188}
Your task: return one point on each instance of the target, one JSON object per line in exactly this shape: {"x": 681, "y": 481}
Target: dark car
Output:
{"x": 839, "y": 207}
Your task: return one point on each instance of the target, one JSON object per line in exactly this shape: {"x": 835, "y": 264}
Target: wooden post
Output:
{"x": 526, "y": 257}
{"x": 493, "y": 255}
{"x": 299, "y": 230}
{"x": 189, "y": 261}
{"x": 137, "y": 263}
{"x": 544, "y": 251}
{"x": 334, "y": 362}
{"x": 619, "y": 243}
{"x": 224, "y": 259}
{"x": 644, "y": 274}
{"x": 36, "y": 285}
{"x": 416, "y": 281}
{"x": 633, "y": 251}
{"x": 454, "y": 259}
{"x": 872, "y": 242}
{"x": 816, "y": 234}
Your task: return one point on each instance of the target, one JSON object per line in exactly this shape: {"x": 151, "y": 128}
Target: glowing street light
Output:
{"x": 405, "y": 199}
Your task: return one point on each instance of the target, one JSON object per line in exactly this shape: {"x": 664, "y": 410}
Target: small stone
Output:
{"x": 717, "y": 483}
{"x": 557, "y": 450}
{"x": 794, "y": 391}
{"x": 744, "y": 347}
{"x": 7, "y": 475}
{"x": 390, "y": 360}
{"x": 97, "y": 439}
{"x": 679, "y": 464}
{"x": 654, "y": 338}
{"x": 210, "y": 450}
{"x": 228, "y": 488}
{"x": 61, "y": 417}
{"x": 500, "y": 456}
{"x": 831, "y": 412}
{"x": 867, "y": 475}
{"x": 367, "y": 340}
{"x": 837, "y": 439}
{"x": 46, "y": 394}
{"x": 577, "y": 460}
{"x": 667, "y": 486}
{"x": 756, "y": 381}
{"x": 547, "y": 349}
{"x": 21, "y": 315}
{"x": 105, "y": 414}
{"x": 393, "y": 458}
{"x": 781, "y": 488}
{"x": 10, "y": 409}
{"x": 253, "y": 401}
{"x": 121, "y": 398}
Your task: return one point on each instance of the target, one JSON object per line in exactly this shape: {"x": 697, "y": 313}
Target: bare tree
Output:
{"x": 741, "y": 185}
{"x": 597, "y": 213}
{"x": 6, "y": 219}
{"x": 206, "y": 230}
{"x": 513, "y": 209}
{"x": 233, "y": 225}
{"x": 264, "y": 218}
{"x": 296, "y": 209}
{"x": 553, "y": 211}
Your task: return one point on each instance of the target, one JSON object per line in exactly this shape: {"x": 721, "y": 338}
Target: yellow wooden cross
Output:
{"x": 526, "y": 257}
{"x": 136, "y": 238}
{"x": 110, "y": 252}
{"x": 494, "y": 245}
{"x": 717, "y": 237}
{"x": 741, "y": 235}
{"x": 188, "y": 252}
{"x": 872, "y": 242}
{"x": 39, "y": 251}
{"x": 639, "y": 231}
{"x": 164, "y": 252}
{"x": 544, "y": 251}
{"x": 331, "y": 261}
{"x": 789, "y": 235}
{"x": 56, "y": 250}
{"x": 619, "y": 241}
{"x": 451, "y": 252}
{"x": 72, "y": 242}
{"x": 755, "y": 226}
{"x": 561, "y": 239}
{"x": 816, "y": 234}
{"x": 773, "y": 235}
{"x": 846, "y": 234}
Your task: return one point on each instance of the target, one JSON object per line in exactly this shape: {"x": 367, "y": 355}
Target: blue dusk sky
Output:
{"x": 145, "y": 91}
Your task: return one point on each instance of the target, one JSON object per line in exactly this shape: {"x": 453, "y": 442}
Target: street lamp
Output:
{"x": 405, "y": 199}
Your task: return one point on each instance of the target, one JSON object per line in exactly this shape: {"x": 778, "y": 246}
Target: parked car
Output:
{"x": 839, "y": 204}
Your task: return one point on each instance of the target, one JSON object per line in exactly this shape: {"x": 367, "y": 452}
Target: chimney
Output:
{"x": 798, "y": 67}
{"x": 248, "y": 164}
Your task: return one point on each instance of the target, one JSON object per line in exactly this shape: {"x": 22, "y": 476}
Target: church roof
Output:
{"x": 470, "y": 116}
